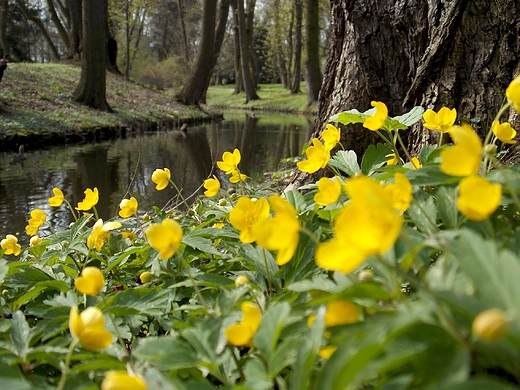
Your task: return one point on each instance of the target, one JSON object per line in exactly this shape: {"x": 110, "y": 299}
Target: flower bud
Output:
{"x": 222, "y": 202}
{"x": 490, "y": 149}
{"x": 146, "y": 217}
{"x": 241, "y": 280}
{"x": 366, "y": 275}
{"x": 490, "y": 325}
{"x": 145, "y": 277}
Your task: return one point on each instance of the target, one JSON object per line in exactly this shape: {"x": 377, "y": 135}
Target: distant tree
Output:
{"x": 194, "y": 91}
{"x": 75, "y": 28}
{"x": 91, "y": 89}
{"x": 312, "y": 45}
{"x": 298, "y": 6}
{"x": 4, "y": 4}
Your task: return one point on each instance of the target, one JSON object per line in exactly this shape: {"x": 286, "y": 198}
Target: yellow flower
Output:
{"x": 366, "y": 226}
{"x": 100, "y": 233}
{"x": 38, "y": 218}
{"x": 280, "y": 233}
{"x": 326, "y": 352}
{"x": 340, "y": 313}
{"x": 478, "y": 198}
{"x": 129, "y": 235}
{"x": 218, "y": 225}
{"x": 376, "y": 121}
{"x": 504, "y": 132}
{"x": 241, "y": 334}
{"x": 329, "y": 191}
{"x": 236, "y": 176}
{"x": 11, "y": 246}
{"x": 393, "y": 161}
{"x": 89, "y": 328}
{"x": 317, "y": 157}
{"x": 246, "y": 214}
{"x": 401, "y": 192}
{"x": 35, "y": 240}
{"x": 241, "y": 280}
{"x": 165, "y": 238}
{"x": 57, "y": 199}
{"x": 128, "y": 207}
{"x": 121, "y": 380}
{"x": 416, "y": 164}
{"x": 91, "y": 199}
{"x": 513, "y": 94}
{"x": 331, "y": 136}
{"x": 161, "y": 177}
{"x": 490, "y": 325}
{"x": 90, "y": 282}
{"x": 229, "y": 161}
{"x": 145, "y": 277}
{"x": 441, "y": 121}
{"x": 462, "y": 159}
{"x": 212, "y": 186}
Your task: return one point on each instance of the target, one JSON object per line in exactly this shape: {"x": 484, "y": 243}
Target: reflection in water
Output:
{"x": 123, "y": 167}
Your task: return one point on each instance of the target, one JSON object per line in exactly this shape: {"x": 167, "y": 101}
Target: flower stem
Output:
{"x": 180, "y": 194}
{"x": 269, "y": 285}
{"x": 66, "y": 364}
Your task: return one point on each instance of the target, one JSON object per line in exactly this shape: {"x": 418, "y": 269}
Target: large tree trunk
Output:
{"x": 91, "y": 89}
{"x": 3, "y": 28}
{"x": 75, "y": 28}
{"x": 312, "y": 44}
{"x": 298, "y": 6}
{"x": 456, "y": 53}
{"x": 194, "y": 89}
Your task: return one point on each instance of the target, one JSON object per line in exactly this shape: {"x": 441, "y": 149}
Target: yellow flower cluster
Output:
{"x": 366, "y": 226}
{"x": 229, "y": 165}
{"x": 165, "y": 237}
{"x": 10, "y": 245}
{"x": 38, "y": 218}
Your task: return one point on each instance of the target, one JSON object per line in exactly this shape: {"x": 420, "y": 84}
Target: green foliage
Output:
{"x": 412, "y": 307}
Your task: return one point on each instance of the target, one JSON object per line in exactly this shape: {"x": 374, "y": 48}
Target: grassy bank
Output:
{"x": 273, "y": 97}
{"x": 36, "y": 106}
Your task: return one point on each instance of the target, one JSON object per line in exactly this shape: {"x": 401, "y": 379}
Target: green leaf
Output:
{"x": 374, "y": 157}
{"x": 430, "y": 176}
{"x": 270, "y": 328}
{"x": 346, "y": 161}
{"x": 256, "y": 375}
{"x": 423, "y": 212}
{"x": 411, "y": 117}
{"x": 446, "y": 205}
{"x": 166, "y": 353}
{"x": 20, "y": 334}
{"x": 347, "y": 117}
{"x": 201, "y": 244}
{"x": 297, "y": 200}
{"x": 12, "y": 379}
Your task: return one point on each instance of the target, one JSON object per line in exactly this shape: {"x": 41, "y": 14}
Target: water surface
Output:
{"x": 122, "y": 167}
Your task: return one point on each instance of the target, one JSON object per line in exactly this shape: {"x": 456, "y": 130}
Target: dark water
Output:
{"x": 123, "y": 167}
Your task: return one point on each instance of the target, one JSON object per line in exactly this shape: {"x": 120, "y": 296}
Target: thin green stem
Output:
{"x": 71, "y": 210}
{"x": 269, "y": 285}
{"x": 440, "y": 139}
{"x": 113, "y": 321}
{"x": 180, "y": 194}
{"x": 309, "y": 234}
{"x": 66, "y": 365}
{"x": 497, "y": 118}
{"x": 195, "y": 287}
{"x": 404, "y": 147}
{"x": 239, "y": 367}
{"x": 96, "y": 215}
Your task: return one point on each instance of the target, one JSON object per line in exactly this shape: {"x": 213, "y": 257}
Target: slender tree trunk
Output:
{"x": 282, "y": 69}
{"x": 54, "y": 52}
{"x": 244, "y": 54}
{"x": 312, "y": 43}
{"x": 91, "y": 89}
{"x": 4, "y": 4}
{"x": 298, "y": 5}
{"x": 127, "y": 39}
{"x": 62, "y": 31}
{"x": 249, "y": 16}
{"x": 193, "y": 91}
{"x": 75, "y": 28}
{"x": 184, "y": 35}
{"x": 239, "y": 80}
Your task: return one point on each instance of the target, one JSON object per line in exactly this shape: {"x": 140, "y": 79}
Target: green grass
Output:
{"x": 273, "y": 97}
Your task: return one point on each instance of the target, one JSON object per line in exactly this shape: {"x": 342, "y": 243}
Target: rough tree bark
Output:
{"x": 456, "y": 53}
{"x": 245, "y": 53}
{"x": 62, "y": 31}
{"x": 312, "y": 44}
{"x": 91, "y": 89}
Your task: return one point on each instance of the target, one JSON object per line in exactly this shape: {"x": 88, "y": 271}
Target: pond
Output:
{"x": 123, "y": 167}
